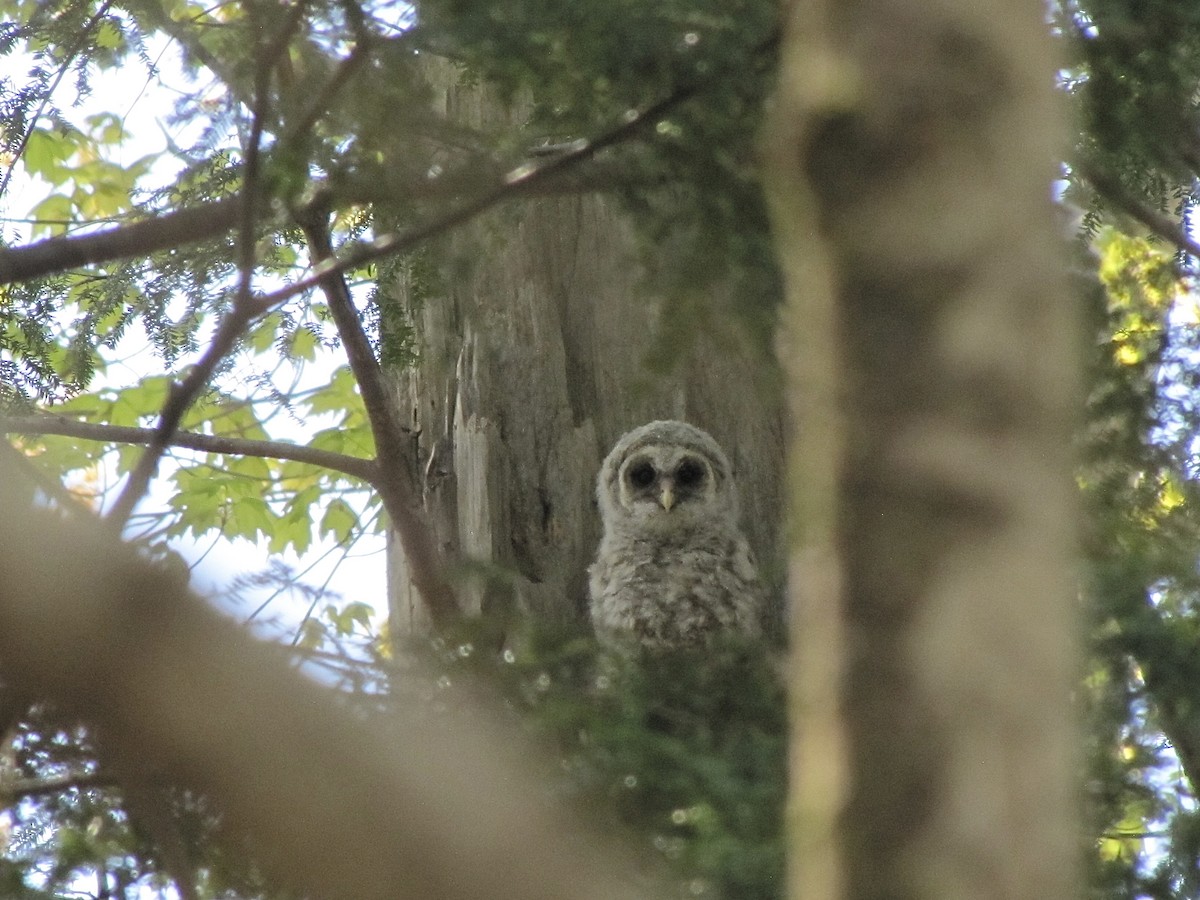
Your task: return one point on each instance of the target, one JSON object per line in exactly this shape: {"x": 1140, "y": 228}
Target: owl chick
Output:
{"x": 673, "y": 567}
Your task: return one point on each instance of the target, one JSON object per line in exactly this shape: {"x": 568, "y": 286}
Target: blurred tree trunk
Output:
{"x": 531, "y": 362}
{"x": 931, "y": 349}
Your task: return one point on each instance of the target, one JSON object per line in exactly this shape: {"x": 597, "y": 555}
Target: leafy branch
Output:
{"x": 180, "y": 397}
{"x": 245, "y": 306}
{"x": 1120, "y": 197}
{"x": 64, "y": 67}
{"x": 354, "y": 466}
{"x": 211, "y": 220}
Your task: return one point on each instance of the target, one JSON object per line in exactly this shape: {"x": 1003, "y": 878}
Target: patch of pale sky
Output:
{"x": 144, "y": 100}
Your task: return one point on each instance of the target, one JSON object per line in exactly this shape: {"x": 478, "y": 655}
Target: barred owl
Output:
{"x": 673, "y": 568}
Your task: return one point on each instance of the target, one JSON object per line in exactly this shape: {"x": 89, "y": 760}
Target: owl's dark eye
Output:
{"x": 689, "y": 474}
{"x": 642, "y": 475}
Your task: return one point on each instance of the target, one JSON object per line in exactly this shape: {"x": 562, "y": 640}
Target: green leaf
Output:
{"x": 303, "y": 344}
{"x": 339, "y": 521}
{"x": 250, "y": 473}
{"x": 52, "y": 215}
{"x": 332, "y": 440}
{"x": 106, "y": 127}
{"x": 312, "y": 634}
{"x": 44, "y": 155}
{"x": 345, "y": 619}
{"x": 339, "y": 395}
{"x": 248, "y": 517}
{"x": 109, "y": 36}
{"x": 295, "y": 527}
{"x": 291, "y": 530}
{"x": 262, "y": 337}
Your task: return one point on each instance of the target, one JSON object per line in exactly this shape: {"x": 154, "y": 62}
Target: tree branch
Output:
{"x": 396, "y": 483}
{"x": 181, "y": 396}
{"x": 521, "y": 181}
{"x": 211, "y": 220}
{"x": 437, "y": 807}
{"x": 355, "y": 466}
{"x": 1120, "y": 197}
{"x": 173, "y": 229}
{"x": 214, "y": 219}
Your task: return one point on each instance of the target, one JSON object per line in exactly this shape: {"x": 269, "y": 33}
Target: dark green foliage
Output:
{"x": 1139, "y": 70}
{"x": 693, "y": 189}
{"x": 685, "y": 752}
{"x": 27, "y": 342}
{"x": 1133, "y": 76}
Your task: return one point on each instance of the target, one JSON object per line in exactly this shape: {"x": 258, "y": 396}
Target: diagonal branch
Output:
{"x": 245, "y": 305}
{"x": 524, "y": 179}
{"x": 181, "y": 396}
{"x": 443, "y": 806}
{"x": 213, "y": 219}
{"x": 354, "y": 466}
{"x": 1120, "y": 197}
{"x": 64, "y": 67}
{"x": 396, "y": 483}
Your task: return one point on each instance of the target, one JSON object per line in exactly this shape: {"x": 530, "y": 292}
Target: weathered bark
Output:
{"x": 530, "y": 367}
{"x": 932, "y": 360}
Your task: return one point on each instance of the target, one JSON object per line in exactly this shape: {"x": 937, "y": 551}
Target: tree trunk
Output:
{"x": 931, "y": 350}
{"x": 532, "y": 361}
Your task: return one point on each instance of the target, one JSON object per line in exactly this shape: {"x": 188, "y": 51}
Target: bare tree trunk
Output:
{"x": 531, "y": 364}
{"x": 931, "y": 348}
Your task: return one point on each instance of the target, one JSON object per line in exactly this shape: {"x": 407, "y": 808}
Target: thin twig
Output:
{"x": 355, "y": 466}
{"x": 268, "y": 53}
{"x": 62, "y": 72}
{"x": 247, "y": 255}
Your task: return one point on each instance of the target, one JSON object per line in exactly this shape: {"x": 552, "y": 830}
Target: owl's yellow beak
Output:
{"x": 667, "y": 497}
